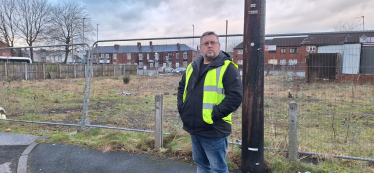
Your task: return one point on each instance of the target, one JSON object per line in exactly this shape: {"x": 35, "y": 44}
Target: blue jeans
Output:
{"x": 209, "y": 154}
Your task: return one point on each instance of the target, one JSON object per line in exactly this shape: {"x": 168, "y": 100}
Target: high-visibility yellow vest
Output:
{"x": 213, "y": 93}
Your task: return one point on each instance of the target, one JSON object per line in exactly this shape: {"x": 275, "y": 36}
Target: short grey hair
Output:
{"x": 208, "y": 33}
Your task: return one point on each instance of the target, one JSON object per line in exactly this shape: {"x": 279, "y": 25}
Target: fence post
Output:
{"x": 43, "y": 71}
{"x": 159, "y": 107}
{"x": 59, "y": 70}
{"x": 124, "y": 69}
{"x": 292, "y": 132}
{"x": 102, "y": 67}
{"x": 75, "y": 71}
{"x": 25, "y": 71}
{"x": 114, "y": 70}
{"x": 6, "y": 71}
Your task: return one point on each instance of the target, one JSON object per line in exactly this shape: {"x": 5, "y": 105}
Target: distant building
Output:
{"x": 5, "y": 52}
{"x": 354, "y": 49}
{"x": 149, "y": 56}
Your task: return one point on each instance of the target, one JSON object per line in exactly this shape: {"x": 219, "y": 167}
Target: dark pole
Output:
{"x": 253, "y": 87}
{"x": 227, "y": 22}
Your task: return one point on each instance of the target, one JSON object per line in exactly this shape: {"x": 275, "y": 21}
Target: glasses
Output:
{"x": 211, "y": 43}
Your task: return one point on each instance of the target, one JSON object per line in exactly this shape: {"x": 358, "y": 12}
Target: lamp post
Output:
{"x": 83, "y": 29}
{"x": 193, "y": 34}
{"x": 363, "y": 23}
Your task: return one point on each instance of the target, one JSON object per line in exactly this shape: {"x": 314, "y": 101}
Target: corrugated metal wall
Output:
{"x": 349, "y": 56}
{"x": 367, "y": 60}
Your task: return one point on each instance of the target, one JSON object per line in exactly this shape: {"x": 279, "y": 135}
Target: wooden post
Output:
{"x": 25, "y": 71}
{"x": 292, "y": 132}
{"x": 102, "y": 67}
{"x": 253, "y": 87}
{"x": 124, "y": 69}
{"x": 59, "y": 70}
{"x": 114, "y": 70}
{"x": 43, "y": 71}
{"x": 75, "y": 71}
{"x": 6, "y": 71}
{"x": 159, "y": 107}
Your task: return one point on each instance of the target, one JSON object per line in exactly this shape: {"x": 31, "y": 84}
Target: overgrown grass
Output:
{"x": 332, "y": 118}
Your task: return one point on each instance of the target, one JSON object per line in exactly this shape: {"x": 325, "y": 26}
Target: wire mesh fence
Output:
{"x": 329, "y": 75}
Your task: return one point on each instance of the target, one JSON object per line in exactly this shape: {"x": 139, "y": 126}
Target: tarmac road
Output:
{"x": 19, "y": 153}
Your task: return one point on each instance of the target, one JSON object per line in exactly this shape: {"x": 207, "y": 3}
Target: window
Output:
{"x": 147, "y": 56}
{"x": 115, "y": 56}
{"x": 184, "y": 63}
{"x": 107, "y": 56}
{"x": 94, "y": 56}
{"x": 185, "y": 55}
{"x": 239, "y": 62}
{"x": 282, "y": 62}
{"x": 140, "y": 57}
{"x": 177, "y": 55}
{"x": 292, "y": 62}
{"x": 240, "y": 51}
{"x": 273, "y": 61}
{"x": 177, "y": 64}
{"x": 151, "y": 65}
{"x": 102, "y": 56}
{"x": 129, "y": 63}
{"x": 272, "y": 51}
{"x": 283, "y": 50}
{"x": 128, "y": 55}
{"x": 293, "y": 50}
{"x": 114, "y": 62}
{"x": 310, "y": 48}
{"x": 140, "y": 64}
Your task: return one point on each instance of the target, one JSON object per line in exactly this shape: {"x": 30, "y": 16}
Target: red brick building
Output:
{"x": 174, "y": 55}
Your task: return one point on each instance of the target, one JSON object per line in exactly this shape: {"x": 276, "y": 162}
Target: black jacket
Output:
{"x": 191, "y": 110}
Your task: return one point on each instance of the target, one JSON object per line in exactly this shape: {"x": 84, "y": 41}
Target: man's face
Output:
{"x": 209, "y": 47}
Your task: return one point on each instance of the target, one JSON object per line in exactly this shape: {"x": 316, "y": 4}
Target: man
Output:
{"x": 209, "y": 91}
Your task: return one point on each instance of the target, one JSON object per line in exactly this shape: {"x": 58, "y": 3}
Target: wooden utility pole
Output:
{"x": 253, "y": 86}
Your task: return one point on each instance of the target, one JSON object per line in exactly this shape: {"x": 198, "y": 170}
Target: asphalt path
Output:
{"x": 50, "y": 157}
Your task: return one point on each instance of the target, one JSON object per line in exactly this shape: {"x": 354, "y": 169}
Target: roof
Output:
{"x": 287, "y": 41}
{"x": 142, "y": 49}
{"x": 330, "y": 39}
{"x": 240, "y": 46}
{"x": 355, "y": 38}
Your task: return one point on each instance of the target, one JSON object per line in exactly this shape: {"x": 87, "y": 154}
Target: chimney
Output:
{"x": 150, "y": 44}
{"x": 116, "y": 46}
{"x": 138, "y": 44}
{"x": 177, "y": 45}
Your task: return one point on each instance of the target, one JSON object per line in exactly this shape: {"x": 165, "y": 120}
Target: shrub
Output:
{"x": 126, "y": 79}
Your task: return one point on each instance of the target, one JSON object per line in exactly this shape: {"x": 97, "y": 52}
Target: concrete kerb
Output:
{"x": 22, "y": 162}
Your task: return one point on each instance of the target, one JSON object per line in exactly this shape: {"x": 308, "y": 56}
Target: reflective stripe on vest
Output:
{"x": 213, "y": 93}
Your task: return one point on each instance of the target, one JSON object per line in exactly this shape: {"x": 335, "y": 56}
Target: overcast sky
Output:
{"x": 121, "y": 19}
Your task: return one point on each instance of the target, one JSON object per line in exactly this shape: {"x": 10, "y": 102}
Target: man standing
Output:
{"x": 209, "y": 91}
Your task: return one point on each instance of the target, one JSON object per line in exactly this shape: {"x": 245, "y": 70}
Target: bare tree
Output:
{"x": 8, "y": 23}
{"x": 347, "y": 26}
{"x": 33, "y": 17}
{"x": 66, "y": 24}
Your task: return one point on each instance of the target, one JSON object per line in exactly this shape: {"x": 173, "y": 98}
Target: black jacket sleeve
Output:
{"x": 180, "y": 92}
{"x": 233, "y": 86}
